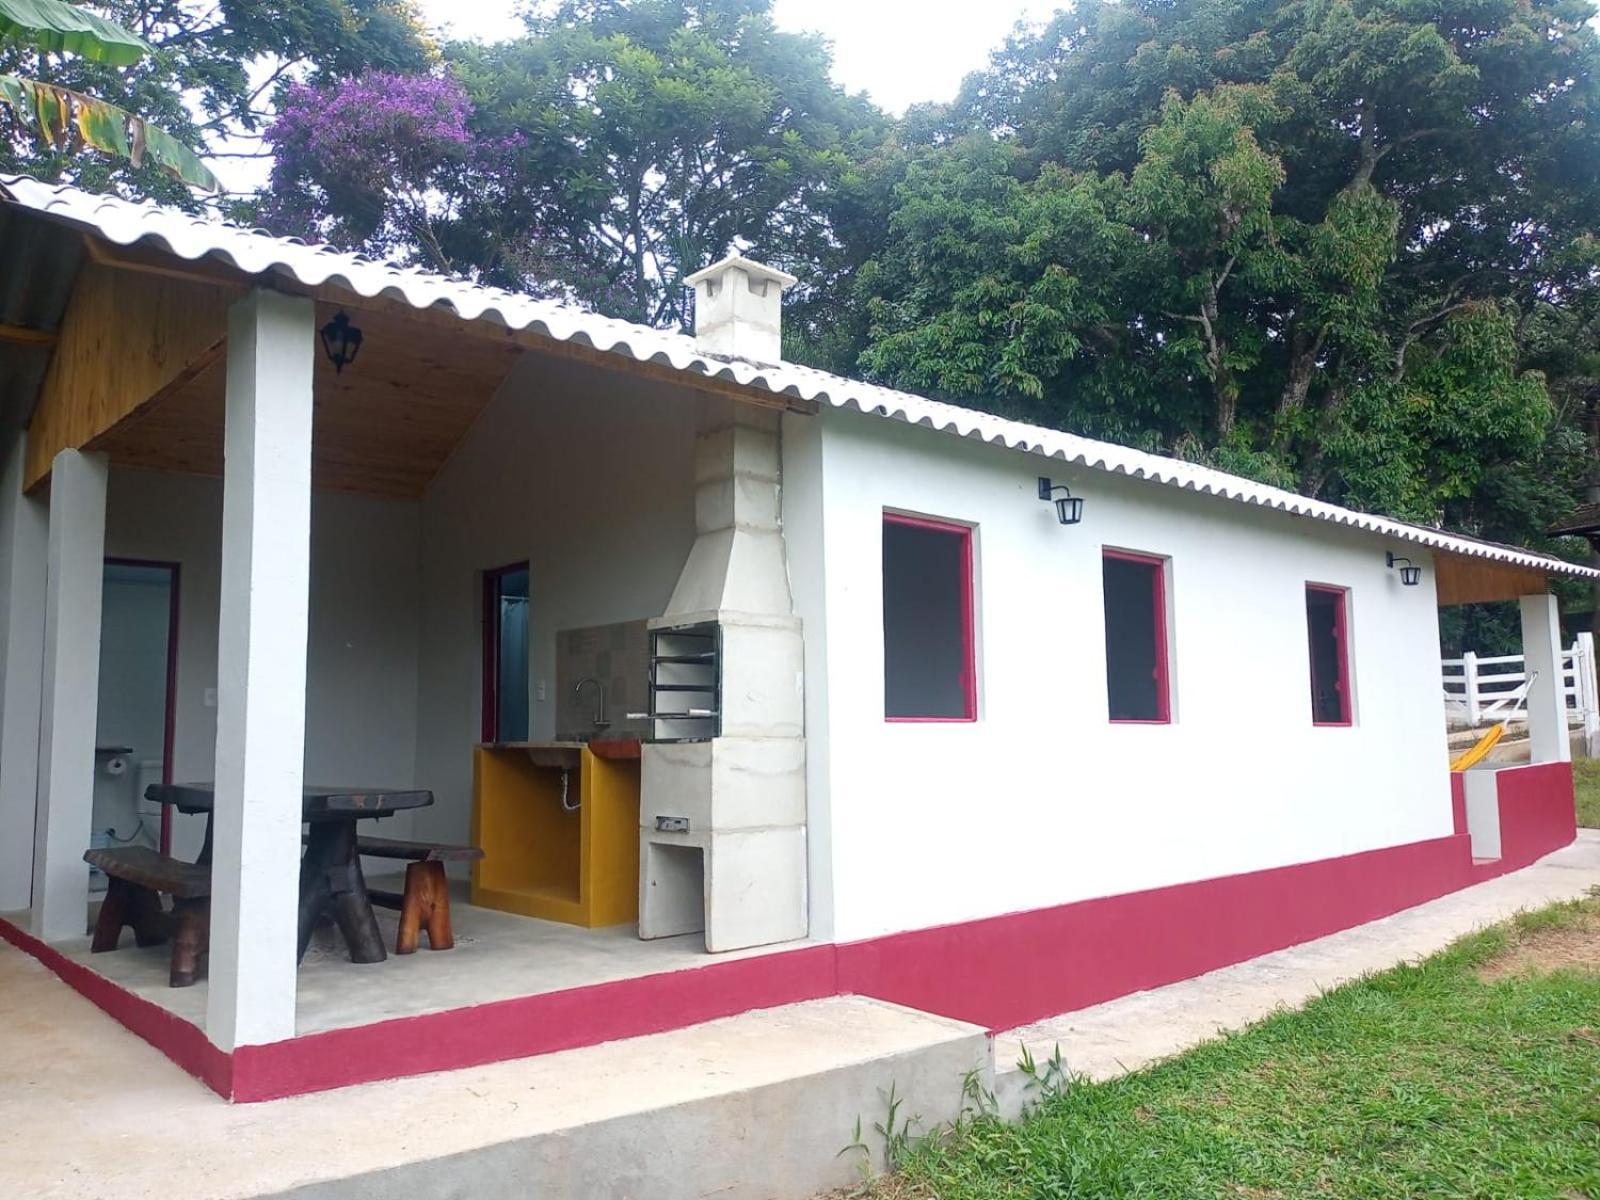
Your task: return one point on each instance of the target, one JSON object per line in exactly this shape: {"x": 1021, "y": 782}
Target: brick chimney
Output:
{"x": 738, "y": 309}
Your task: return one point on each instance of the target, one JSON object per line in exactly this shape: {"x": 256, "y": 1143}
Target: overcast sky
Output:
{"x": 897, "y": 51}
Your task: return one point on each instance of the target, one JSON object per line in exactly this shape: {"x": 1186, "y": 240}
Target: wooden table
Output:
{"x": 330, "y": 870}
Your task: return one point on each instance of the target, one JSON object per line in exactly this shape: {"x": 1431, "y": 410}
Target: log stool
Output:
{"x": 425, "y": 904}
{"x": 136, "y": 879}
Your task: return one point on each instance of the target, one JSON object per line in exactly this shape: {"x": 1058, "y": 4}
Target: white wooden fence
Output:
{"x": 1487, "y": 690}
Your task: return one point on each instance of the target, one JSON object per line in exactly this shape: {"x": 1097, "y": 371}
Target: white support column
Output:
{"x": 74, "y": 574}
{"x": 1547, "y": 708}
{"x": 1588, "y": 694}
{"x": 24, "y": 535}
{"x": 261, "y": 669}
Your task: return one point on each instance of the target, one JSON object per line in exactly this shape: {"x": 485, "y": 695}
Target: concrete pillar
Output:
{"x": 261, "y": 669}
{"x": 70, "y": 697}
{"x": 1547, "y": 709}
{"x": 24, "y": 534}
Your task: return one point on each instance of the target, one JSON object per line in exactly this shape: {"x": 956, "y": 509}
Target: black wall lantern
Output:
{"x": 1069, "y": 508}
{"x": 341, "y": 342}
{"x": 1410, "y": 574}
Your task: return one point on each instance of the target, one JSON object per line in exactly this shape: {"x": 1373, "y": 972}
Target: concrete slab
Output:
{"x": 756, "y": 1106}
{"x": 497, "y": 956}
{"x": 1125, "y": 1034}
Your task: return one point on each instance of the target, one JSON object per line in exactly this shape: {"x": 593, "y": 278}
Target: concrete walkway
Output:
{"x": 1125, "y": 1034}
{"x": 753, "y": 1107}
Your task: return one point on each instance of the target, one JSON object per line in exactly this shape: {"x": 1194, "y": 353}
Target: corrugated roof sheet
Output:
{"x": 258, "y": 253}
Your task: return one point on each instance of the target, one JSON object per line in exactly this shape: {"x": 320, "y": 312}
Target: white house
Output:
{"x": 752, "y": 683}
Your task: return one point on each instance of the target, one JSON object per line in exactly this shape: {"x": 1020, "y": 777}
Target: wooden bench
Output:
{"x": 425, "y": 904}
{"x": 136, "y": 879}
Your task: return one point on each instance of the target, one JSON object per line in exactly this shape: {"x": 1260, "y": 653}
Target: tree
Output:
{"x": 614, "y": 150}
{"x": 1336, "y": 227}
{"x": 65, "y": 119}
{"x": 210, "y": 78}
{"x": 370, "y": 161}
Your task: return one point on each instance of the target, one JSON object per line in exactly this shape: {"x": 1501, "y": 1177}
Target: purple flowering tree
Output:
{"x": 374, "y": 163}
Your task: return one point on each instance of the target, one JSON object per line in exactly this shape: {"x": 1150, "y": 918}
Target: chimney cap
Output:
{"x": 749, "y": 266}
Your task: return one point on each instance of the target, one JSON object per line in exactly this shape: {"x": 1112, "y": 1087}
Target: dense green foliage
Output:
{"x": 614, "y": 150}
{"x": 1321, "y": 243}
{"x": 66, "y": 121}
{"x": 1346, "y": 246}
{"x": 1421, "y": 1081}
{"x": 210, "y": 78}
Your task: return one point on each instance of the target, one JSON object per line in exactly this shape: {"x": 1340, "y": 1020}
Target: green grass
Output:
{"x": 1586, "y": 782}
{"x": 1421, "y": 1081}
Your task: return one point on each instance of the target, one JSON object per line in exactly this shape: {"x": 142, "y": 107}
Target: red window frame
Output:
{"x": 490, "y": 719}
{"x": 969, "y": 655}
{"x": 1158, "y": 584}
{"x": 1341, "y": 637}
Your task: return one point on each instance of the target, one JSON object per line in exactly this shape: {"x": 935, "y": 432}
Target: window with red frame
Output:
{"x": 1136, "y": 637}
{"x": 927, "y": 621}
{"x": 1327, "y": 630}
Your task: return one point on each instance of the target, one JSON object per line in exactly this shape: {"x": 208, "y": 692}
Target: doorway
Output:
{"x": 505, "y": 654}
{"x": 134, "y": 724}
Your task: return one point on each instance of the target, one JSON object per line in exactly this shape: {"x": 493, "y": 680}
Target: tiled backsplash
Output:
{"x": 619, "y": 657}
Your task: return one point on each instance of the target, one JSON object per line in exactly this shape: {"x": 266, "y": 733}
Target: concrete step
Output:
{"x": 753, "y": 1107}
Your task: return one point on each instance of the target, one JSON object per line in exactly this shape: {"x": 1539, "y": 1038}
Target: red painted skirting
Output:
{"x": 999, "y": 972}
{"x": 529, "y": 1025}
{"x": 1007, "y": 971}
{"x": 182, "y": 1042}
{"x": 1536, "y": 816}
{"x": 1458, "y": 802}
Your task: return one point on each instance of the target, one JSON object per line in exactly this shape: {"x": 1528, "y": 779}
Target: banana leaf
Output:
{"x": 61, "y": 28}
{"x": 66, "y": 119}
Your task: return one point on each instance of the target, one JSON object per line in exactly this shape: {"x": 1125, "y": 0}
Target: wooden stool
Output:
{"x": 425, "y": 904}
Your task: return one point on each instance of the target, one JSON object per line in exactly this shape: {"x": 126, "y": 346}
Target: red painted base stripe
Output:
{"x": 1010, "y": 970}
{"x": 182, "y": 1042}
{"x": 999, "y": 972}
{"x": 529, "y": 1025}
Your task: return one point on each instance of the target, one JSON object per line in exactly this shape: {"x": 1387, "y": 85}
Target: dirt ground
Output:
{"x": 1556, "y": 948}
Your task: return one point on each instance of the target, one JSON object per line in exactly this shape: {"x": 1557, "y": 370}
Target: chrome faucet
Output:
{"x": 600, "y": 721}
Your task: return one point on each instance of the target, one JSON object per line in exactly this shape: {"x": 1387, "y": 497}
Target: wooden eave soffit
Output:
{"x": 1463, "y": 580}
{"x": 142, "y": 324}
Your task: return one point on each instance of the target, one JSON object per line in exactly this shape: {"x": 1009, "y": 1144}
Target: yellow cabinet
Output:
{"x": 559, "y": 828}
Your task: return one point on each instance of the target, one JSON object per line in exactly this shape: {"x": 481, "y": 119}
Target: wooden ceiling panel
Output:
{"x": 384, "y": 425}
{"x": 1462, "y": 580}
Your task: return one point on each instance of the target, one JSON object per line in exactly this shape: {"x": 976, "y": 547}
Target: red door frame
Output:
{"x": 170, "y": 720}
{"x": 969, "y": 638}
{"x": 1341, "y": 625}
{"x": 489, "y": 723}
{"x": 1158, "y": 584}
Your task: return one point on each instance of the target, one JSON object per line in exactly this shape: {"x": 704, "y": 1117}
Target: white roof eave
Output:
{"x": 255, "y": 252}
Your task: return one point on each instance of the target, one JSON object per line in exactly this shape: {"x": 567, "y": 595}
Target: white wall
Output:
{"x": 24, "y": 526}
{"x": 1042, "y": 801}
{"x": 590, "y": 478}
{"x": 361, "y": 704}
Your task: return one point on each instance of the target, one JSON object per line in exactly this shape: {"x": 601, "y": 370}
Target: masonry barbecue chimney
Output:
{"x": 723, "y": 802}
{"x": 738, "y": 309}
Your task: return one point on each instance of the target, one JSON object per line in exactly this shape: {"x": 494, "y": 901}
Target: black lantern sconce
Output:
{"x": 341, "y": 342}
{"x": 1069, "y": 508}
{"x": 1410, "y": 573}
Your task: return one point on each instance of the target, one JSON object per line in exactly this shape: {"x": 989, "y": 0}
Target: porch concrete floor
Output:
{"x": 1125, "y": 1034}
{"x": 497, "y": 956}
